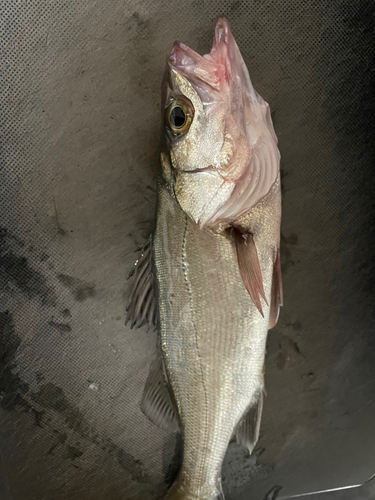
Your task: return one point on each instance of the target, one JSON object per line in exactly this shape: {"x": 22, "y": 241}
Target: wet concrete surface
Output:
{"x": 79, "y": 159}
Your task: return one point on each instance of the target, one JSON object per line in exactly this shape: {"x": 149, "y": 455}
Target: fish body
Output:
{"x": 212, "y": 335}
{"x": 214, "y": 261}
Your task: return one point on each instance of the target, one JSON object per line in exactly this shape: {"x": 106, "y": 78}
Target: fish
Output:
{"x": 209, "y": 278}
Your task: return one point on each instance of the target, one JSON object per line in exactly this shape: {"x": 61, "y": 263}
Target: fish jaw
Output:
{"x": 231, "y": 144}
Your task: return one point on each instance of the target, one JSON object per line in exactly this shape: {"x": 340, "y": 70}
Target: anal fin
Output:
{"x": 247, "y": 431}
{"x": 157, "y": 401}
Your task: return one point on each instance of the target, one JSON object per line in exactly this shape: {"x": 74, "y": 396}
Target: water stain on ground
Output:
{"x": 52, "y": 397}
{"x": 15, "y": 268}
{"x": 286, "y": 252}
{"x": 288, "y": 352}
{"x": 133, "y": 466}
{"x": 15, "y": 396}
{"x": 297, "y": 326}
{"x": 80, "y": 289}
{"x": 61, "y": 439}
{"x": 12, "y": 388}
{"x": 292, "y": 239}
{"x": 73, "y": 452}
{"x": 171, "y": 466}
{"x": 60, "y": 327}
{"x": 240, "y": 469}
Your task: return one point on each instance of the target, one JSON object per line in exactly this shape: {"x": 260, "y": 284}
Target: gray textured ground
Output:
{"x": 80, "y": 125}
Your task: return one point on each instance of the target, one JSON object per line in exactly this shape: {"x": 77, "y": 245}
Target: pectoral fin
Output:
{"x": 247, "y": 432}
{"x": 248, "y": 263}
{"x": 276, "y": 292}
{"x": 157, "y": 401}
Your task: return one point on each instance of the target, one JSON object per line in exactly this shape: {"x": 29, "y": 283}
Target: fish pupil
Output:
{"x": 177, "y": 117}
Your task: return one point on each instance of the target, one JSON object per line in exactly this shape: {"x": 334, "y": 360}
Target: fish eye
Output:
{"x": 179, "y": 115}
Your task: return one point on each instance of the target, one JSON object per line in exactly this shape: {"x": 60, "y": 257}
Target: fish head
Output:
{"x": 221, "y": 152}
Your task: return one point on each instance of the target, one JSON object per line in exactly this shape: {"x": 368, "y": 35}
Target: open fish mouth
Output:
{"x": 210, "y": 72}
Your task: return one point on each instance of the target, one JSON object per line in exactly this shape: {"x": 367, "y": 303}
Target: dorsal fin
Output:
{"x": 141, "y": 307}
{"x": 249, "y": 266}
{"x": 276, "y": 292}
